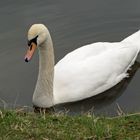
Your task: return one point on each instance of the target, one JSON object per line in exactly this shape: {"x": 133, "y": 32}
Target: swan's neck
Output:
{"x": 43, "y": 94}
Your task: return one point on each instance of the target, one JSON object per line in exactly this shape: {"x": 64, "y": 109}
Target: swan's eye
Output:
{"x": 34, "y": 40}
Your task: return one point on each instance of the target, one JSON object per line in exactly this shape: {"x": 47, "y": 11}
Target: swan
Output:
{"x": 82, "y": 73}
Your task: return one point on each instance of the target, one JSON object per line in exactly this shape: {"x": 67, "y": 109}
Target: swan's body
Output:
{"x": 84, "y": 72}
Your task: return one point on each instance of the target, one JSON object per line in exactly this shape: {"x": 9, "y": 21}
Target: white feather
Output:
{"x": 91, "y": 70}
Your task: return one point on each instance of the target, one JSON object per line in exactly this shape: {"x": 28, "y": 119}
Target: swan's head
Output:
{"x": 37, "y": 35}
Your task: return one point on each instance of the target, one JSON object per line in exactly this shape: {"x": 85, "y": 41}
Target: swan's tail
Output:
{"x": 134, "y": 39}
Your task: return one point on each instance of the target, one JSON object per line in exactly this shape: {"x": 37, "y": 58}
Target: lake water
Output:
{"x": 72, "y": 24}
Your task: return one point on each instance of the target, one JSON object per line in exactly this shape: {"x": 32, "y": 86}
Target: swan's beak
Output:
{"x": 30, "y": 52}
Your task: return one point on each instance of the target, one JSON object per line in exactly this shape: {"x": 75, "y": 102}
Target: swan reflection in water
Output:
{"x": 98, "y": 104}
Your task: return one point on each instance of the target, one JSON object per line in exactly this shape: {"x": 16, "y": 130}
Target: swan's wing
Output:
{"x": 88, "y": 71}
{"x": 87, "y": 51}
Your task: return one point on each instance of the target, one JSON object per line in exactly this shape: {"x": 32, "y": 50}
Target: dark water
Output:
{"x": 72, "y": 24}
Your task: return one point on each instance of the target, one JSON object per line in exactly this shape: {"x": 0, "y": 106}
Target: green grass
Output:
{"x": 30, "y": 126}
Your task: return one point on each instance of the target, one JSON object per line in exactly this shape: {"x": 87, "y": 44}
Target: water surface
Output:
{"x": 72, "y": 24}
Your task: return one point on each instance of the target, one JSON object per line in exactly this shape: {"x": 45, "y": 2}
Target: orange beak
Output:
{"x": 30, "y": 52}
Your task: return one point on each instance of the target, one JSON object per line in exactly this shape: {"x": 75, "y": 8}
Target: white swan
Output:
{"x": 83, "y": 73}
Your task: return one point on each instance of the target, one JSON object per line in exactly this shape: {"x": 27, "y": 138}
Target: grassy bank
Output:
{"x": 29, "y": 126}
